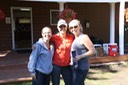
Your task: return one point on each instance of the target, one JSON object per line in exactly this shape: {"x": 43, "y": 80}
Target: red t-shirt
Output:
{"x": 62, "y": 49}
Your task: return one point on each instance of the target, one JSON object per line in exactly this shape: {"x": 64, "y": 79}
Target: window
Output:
{"x": 54, "y": 17}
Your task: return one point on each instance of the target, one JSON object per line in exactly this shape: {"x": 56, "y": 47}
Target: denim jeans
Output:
{"x": 41, "y": 79}
{"x": 79, "y": 76}
{"x": 66, "y": 73}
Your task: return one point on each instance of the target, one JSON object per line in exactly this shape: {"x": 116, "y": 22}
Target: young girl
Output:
{"x": 40, "y": 61}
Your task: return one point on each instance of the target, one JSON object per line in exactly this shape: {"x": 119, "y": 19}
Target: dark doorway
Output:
{"x": 22, "y": 28}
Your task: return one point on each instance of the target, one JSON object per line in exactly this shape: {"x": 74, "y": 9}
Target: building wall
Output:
{"x": 97, "y": 14}
{"x": 40, "y": 16}
{"x": 98, "y": 17}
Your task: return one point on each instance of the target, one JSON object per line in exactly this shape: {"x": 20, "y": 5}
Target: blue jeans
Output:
{"x": 66, "y": 72}
{"x": 41, "y": 79}
{"x": 79, "y": 76}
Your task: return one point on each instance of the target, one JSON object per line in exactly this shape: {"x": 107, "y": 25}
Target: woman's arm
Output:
{"x": 85, "y": 40}
{"x": 33, "y": 60}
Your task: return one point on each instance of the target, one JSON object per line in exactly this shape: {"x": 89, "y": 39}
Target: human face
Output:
{"x": 74, "y": 28}
{"x": 46, "y": 33}
{"x": 62, "y": 28}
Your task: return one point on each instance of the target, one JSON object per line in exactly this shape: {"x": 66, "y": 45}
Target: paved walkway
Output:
{"x": 13, "y": 67}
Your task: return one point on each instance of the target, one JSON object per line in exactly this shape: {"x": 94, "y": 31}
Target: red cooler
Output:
{"x": 112, "y": 49}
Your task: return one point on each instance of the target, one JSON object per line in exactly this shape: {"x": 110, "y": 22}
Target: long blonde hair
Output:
{"x": 78, "y": 22}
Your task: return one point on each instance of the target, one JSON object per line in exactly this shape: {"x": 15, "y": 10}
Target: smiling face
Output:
{"x": 62, "y": 28}
{"x": 46, "y": 33}
{"x": 74, "y": 27}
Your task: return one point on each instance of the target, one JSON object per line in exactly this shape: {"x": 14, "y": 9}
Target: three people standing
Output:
{"x": 63, "y": 43}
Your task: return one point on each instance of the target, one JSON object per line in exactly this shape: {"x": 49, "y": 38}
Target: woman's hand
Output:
{"x": 77, "y": 58}
{"x": 33, "y": 76}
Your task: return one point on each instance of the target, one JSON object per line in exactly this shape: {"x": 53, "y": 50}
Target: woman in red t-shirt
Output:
{"x": 61, "y": 60}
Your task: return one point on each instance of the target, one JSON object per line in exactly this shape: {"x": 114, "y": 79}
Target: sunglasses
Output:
{"x": 73, "y": 27}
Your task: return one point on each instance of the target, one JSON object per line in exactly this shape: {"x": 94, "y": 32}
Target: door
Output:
{"x": 21, "y": 28}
